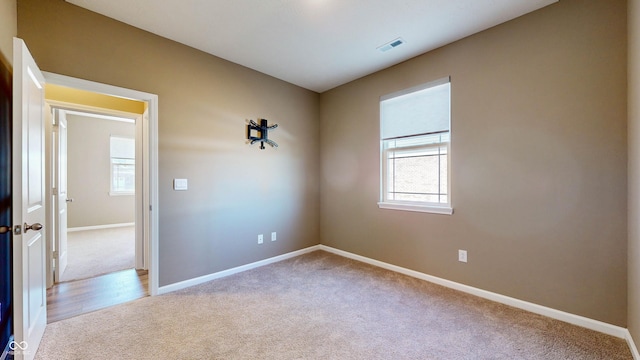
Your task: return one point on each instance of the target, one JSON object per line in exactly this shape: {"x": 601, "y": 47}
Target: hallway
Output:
{"x": 73, "y": 298}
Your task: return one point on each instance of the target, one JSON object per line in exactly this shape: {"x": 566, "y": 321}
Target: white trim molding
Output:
{"x": 206, "y": 278}
{"x": 582, "y": 321}
{"x": 444, "y": 210}
{"x": 577, "y": 320}
{"x": 99, "y": 227}
{"x": 150, "y": 206}
{"x": 632, "y": 345}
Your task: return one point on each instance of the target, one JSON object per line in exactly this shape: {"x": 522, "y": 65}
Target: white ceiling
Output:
{"x": 316, "y": 44}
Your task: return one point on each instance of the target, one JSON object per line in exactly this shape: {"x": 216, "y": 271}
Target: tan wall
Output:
{"x": 236, "y": 191}
{"x": 8, "y": 29}
{"x": 633, "y": 250}
{"x": 88, "y": 173}
{"x": 539, "y": 149}
{"x": 538, "y": 170}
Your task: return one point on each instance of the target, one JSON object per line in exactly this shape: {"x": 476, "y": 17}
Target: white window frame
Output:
{"x": 112, "y": 191}
{"x": 408, "y": 205}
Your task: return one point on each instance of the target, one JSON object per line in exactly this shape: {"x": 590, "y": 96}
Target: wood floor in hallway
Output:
{"x": 73, "y": 298}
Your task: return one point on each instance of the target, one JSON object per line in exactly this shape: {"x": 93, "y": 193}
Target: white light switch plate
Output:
{"x": 180, "y": 184}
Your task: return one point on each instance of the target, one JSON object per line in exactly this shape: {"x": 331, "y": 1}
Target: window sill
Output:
{"x": 444, "y": 210}
{"x": 121, "y": 193}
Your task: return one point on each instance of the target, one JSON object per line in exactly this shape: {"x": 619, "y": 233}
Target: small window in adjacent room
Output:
{"x": 123, "y": 166}
{"x": 415, "y": 140}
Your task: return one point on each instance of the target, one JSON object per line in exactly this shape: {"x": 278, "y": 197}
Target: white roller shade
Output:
{"x": 421, "y": 110}
{"x": 123, "y": 148}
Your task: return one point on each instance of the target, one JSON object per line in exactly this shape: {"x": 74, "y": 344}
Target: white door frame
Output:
{"x": 61, "y": 109}
{"x": 58, "y": 170}
{"x": 150, "y": 153}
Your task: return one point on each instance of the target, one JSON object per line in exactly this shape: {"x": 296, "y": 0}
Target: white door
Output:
{"x": 28, "y": 202}
{"x": 61, "y": 182}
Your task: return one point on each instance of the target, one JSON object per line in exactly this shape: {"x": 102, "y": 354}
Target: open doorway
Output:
{"x": 102, "y": 187}
{"x": 94, "y": 167}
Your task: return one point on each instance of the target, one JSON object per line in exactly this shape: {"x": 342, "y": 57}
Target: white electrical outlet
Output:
{"x": 462, "y": 256}
{"x": 260, "y": 239}
{"x": 273, "y": 236}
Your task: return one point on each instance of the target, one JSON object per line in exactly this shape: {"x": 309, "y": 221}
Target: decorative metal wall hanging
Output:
{"x": 262, "y": 133}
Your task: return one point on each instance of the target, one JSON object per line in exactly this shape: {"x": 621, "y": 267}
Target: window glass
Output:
{"x": 123, "y": 165}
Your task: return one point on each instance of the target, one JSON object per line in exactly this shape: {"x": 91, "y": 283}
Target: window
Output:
{"x": 415, "y": 149}
{"x": 123, "y": 165}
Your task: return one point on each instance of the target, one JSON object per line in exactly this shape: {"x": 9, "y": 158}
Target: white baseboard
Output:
{"x": 99, "y": 227}
{"x": 582, "y": 321}
{"x": 578, "y": 320}
{"x": 632, "y": 345}
{"x": 203, "y": 279}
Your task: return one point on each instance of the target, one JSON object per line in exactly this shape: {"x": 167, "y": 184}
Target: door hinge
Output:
{"x": 55, "y": 191}
{"x": 55, "y": 255}
{"x": 150, "y": 208}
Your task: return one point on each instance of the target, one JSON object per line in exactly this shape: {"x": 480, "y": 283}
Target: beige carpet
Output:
{"x": 97, "y": 252}
{"x": 321, "y": 306}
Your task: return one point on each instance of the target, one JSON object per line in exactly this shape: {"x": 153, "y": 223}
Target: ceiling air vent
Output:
{"x": 391, "y": 44}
